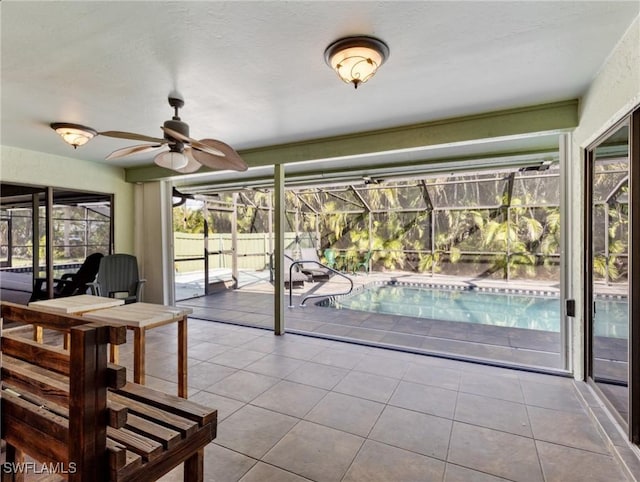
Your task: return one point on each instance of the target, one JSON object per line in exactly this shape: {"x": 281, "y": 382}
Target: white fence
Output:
{"x": 253, "y": 251}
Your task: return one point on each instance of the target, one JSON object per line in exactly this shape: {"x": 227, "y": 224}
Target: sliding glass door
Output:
{"x": 613, "y": 339}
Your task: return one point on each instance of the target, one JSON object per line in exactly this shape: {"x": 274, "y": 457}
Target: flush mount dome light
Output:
{"x": 74, "y": 134}
{"x": 356, "y": 59}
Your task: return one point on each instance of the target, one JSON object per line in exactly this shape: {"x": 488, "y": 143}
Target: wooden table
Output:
{"x": 71, "y": 305}
{"x": 141, "y": 317}
{"x": 75, "y": 305}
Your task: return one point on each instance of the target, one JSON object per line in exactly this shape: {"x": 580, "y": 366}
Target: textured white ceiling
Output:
{"x": 253, "y": 73}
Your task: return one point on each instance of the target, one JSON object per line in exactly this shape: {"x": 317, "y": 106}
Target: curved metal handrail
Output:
{"x": 304, "y": 300}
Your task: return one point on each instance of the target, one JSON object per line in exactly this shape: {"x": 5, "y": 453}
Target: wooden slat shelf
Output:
{"x": 184, "y": 426}
{"x": 167, "y": 437}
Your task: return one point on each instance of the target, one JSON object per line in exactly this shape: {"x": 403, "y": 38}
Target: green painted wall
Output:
{"x": 36, "y": 168}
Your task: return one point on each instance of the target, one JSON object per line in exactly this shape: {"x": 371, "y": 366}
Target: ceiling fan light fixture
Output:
{"x": 185, "y": 155}
{"x": 74, "y": 134}
{"x": 171, "y": 160}
{"x": 356, "y": 59}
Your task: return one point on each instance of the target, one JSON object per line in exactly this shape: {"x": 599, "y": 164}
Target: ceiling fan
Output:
{"x": 180, "y": 152}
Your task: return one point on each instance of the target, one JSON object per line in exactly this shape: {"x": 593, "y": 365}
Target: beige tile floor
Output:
{"x": 295, "y": 408}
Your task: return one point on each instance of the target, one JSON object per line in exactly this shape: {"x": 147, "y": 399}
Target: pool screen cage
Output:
{"x": 501, "y": 224}
{"x": 81, "y": 224}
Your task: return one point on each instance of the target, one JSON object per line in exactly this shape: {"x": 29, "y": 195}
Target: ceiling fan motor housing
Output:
{"x": 178, "y": 126}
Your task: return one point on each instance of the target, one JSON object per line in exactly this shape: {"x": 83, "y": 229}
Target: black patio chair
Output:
{"x": 69, "y": 284}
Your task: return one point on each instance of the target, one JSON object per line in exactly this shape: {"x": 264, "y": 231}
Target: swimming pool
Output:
{"x": 515, "y": 310}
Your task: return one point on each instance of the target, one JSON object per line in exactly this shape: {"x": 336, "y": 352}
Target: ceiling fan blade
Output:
{"x": 231, "y": 159}
{"x": 132, "y": 136}
{"x": 129, "y": 151}
{"x": 207, "y": 148}
{"x": 193, "y": 164}
{"x": 211, "y": 161}
{"x": 194, "y": 143}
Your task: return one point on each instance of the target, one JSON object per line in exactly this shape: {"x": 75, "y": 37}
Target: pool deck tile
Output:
{"x": 502, "y": 344}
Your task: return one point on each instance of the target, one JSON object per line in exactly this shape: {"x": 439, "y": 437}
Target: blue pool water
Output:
{"x": 473, "y": 306}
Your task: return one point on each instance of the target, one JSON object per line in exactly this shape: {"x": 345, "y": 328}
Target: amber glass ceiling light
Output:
{"x": 356, "y": 59}
{"x": 74, "y": 134}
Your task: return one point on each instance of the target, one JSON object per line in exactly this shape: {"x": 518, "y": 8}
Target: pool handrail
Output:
{"x": 304, "y": 300}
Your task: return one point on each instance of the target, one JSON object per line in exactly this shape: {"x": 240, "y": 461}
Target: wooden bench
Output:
{"x": 75, "y": 411}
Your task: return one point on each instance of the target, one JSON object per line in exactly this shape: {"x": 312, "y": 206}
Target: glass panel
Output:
{"x": 256, "y": 198}
{"x": 536, "y": 230}
{"x": 290, "y": 222}
{"x": 473, "y": 265}
{"x": 99, "y": 234}
{"x": 537, "y": 188}
{"x": 334, "y": 199}
{"x": 608, "y": 176}
{"x": 417, "y": 234}
{"x": 188, "y": 243}
{"x": 189, "y": 275}
{"x": 483, "y": 227}
{"x": 337, "y": 229}
{"x": 309, "y": 222}
{"x": 220, "y": 247}
{"x": 610, "y": 246}
{"x": 81, "y": 226}
{"x": 254, "y": 247}
{"x": 534, "y": 267}
{"x": 411, "y": 197}
{"x": 481, "y": 190}
{"x": 388, "y": 197}
{"x": 21, "y": 234}
{"x": 470, "y": 230}
{"x": 618, "y": 228}
{"x": 5, "y": 227}
{"x": 252, "y": 219}
{"x": 599, "y": 213}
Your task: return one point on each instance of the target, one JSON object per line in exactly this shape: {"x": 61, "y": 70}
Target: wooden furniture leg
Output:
{"x": 114, "y": 353}
{"x": 38, "y": 334}
{"x": 182, "y": 358}
{"x": 139, "y": 350}
{"x": 87, "y": 398}
{"x": 13, "y": 456}
{"x": 194, "y": 467}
